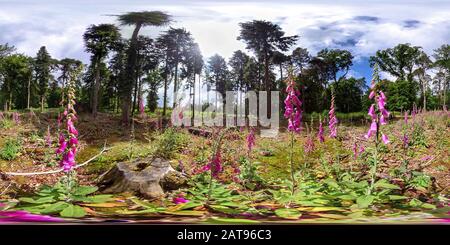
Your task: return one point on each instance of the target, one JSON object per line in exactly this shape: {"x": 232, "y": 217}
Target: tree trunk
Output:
{"x": 131, "y": 72}
{"x": 281, "y": 72}
{"x": 96, "y": 88}
{"x": 267, "y": 85}
{"x": 29, "y": 92}
{"x": 175, "y": 85}
{"x": 165, "y": 96}
{"x": 193, "y": 102}
{"x": 42, "y": 103}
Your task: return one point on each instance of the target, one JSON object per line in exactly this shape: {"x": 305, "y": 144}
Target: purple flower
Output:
{"x": 68, "y": 161}
{"x": 372, "y": 94}
{"x": 385, "y": 139}
{"x": 309, "y": 145}
{"x": 372, "y": 130}
{"x": 332, "y": 124}
{"x": 71, "y": 128}
{"x": 371, "y": 112}
{"x": 179, "y": 200}
{"x": 405, "y": 140}
{"x": 48, "y": 138}
{"x": 23, "y": 216}
{"x": 250, "y": 140}
{"x": 293, "y": 111}
{"x": 73, "y": 141}
{"x": 355, "y": 150}
{"x": 62, "y": 147}
{"x": 320, "y": 133}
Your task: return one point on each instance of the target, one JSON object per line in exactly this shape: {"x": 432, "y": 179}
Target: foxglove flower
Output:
{"x": 309, "y": 145}
{"x": 48, "y": 138}
{"x": 378, "y": 113}
{"x": 320, "y": 133}
{"x": 332, "y": 124}
{"x": 250, "y": 140}
{"x": 292, "y": 106}
{"x": 385, "y": 139}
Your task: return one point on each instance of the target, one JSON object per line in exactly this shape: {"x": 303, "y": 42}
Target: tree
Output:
{"x": 16, "y": 71}
{"x": 336, "y": 60}
{"x": 423, "y": 64}
{"x": 99, "y": 40}
{"x": 154, "y": 82}
{"x": 176, "y": 42}
{"x": 193, "y": 65}
{"x": 67, "y": 67}
{"x": 280, "y": 59}
{"x": 217, "y": 75}
{"x": 349, "y": 93}
{"x": 264, "y": 37}
{"x": 237, "y": 62}
{"x": 43, "y": 65}
{"x": 300, "y": 58}
{"x": 138, "y": 20}
{"x": 398, "y": 61}
{"x": 6, "y": 50}
{"x": 442, "y": 61}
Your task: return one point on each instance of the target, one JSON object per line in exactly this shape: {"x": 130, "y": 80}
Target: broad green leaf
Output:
{"x": 287, "y": 213}
{"x": 55, "y": 207}
{"x": 97, "y": 199}
{"x": 396, "y": 197}
{"x": 37, "y": 201}
{"x": 84, "y": 190}
{"x": 347, "y": 197}
{"x": 385, "y": 185}
{"x": 190, "y": 205}
{"x": 365, "y": 201}
{"x": 73, "y": 211}
{"x": 223, "y": 209}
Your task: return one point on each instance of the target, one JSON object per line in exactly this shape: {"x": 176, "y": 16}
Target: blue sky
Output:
{"x": 363, "y": 27}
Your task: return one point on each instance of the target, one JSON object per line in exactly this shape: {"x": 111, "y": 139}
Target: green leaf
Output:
{"x": 73, "y": 211}
{"x": 143, "y": 204}
{"x": 385, "y": 185}
{"x": 347, "y": 197}
{"x": 190, "y": 205}
{"x": 94, "y": 199}
{"x": 37, "y": 201}
{"x": 55, "y": 207}
{"x": 287, "y": 213}
{"x": 365, "y": 201}
{"x": 84, "y": 190}
{"x": 396, "y": 197}
{"x": 232, "y": 221}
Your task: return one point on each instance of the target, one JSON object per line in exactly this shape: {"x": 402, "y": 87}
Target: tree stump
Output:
{"x": 147, "y": 177}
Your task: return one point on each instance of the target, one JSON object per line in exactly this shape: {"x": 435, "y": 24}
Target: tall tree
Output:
{"x": 138, "y": 20}
{"x": 67, "y": 67}
{"x": 442, "y": 61}
{"x": 16, "y": 72}
{"x": 99, "y": 40}
{"x": 300, "y": 58}
{"x": 43, "y": 64}
{"x": 336, "y": 60}
{"x": 398, "y": 61}
{"x": 237, "y": 62}
{"x": 423, "y": 64}
{"x": 217, "y": 75}
{"x": 176, "y": 42}
{"x": 280, "y": 59}
{"x": 264, "y": 37}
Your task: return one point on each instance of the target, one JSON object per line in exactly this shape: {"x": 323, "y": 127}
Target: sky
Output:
{"x": 363, "y": 27}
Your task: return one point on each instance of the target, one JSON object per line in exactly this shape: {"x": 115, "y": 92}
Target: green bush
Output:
{"x": 6, "y": 123}
{"x": 10, "y": 150}
{"x": 169, "y": 143}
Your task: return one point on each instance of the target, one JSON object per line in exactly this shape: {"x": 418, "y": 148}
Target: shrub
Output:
{"x": 169, "y": 143}
{"x": 6, "y": 123}
{"x": 10, "y": 150}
